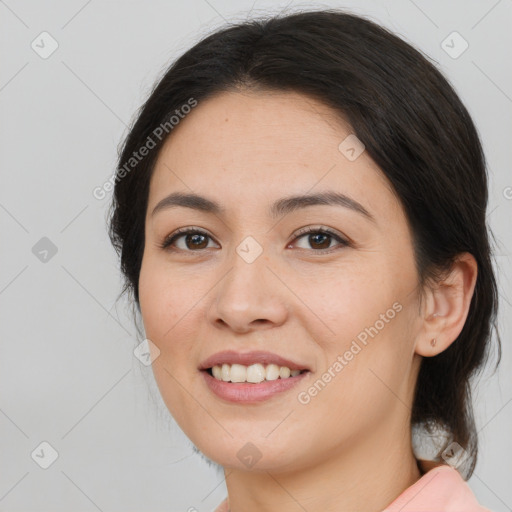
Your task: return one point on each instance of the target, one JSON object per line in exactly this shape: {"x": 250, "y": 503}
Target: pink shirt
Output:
{"x": 442, "y": 489}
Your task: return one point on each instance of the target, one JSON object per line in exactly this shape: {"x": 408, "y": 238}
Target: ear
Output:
{"x": 446, "y": 307}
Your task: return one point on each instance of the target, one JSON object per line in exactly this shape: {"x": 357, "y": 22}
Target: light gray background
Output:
{"x": 67, "y": 372}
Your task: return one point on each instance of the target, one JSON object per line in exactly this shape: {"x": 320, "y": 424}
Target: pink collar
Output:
{"x": 441, "y": 489}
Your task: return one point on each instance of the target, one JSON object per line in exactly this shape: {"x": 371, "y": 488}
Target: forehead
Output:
{"x": 270, "y": 123}
{"x": 261, "y": 144}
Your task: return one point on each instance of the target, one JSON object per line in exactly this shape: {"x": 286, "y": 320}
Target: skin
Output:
{"x": 245, "y": 150}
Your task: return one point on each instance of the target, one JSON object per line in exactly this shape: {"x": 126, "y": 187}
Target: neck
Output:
{"x": 365, "y": 477}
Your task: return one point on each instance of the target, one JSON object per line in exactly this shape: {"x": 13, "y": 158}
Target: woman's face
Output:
{"x": 250, "y": 280}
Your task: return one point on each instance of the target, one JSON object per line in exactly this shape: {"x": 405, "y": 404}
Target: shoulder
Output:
{"x": 440, "y": 489}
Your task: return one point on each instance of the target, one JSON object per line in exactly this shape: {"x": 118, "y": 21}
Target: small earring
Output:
{"x": 433, "y": 342}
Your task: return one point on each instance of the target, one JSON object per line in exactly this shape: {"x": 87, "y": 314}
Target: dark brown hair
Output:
{"x": 413, "y": 125}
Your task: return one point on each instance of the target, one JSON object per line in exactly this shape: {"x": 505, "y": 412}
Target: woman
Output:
{"x": 300, "y": 209}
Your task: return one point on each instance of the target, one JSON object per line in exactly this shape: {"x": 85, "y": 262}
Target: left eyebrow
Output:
{"x": 279, "y": 208}
{"x": 289, "y": 204}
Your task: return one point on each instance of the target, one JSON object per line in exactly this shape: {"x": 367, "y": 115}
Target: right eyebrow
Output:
{"x": 189, "y": 200}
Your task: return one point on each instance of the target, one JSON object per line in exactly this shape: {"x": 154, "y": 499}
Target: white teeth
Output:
{"x": 217, "y": 372}
{"x": 225, "y": 373}
{"x": 284, "y": 372}
{"x": 238, "y": 373}
{"x": 254, "y": 373}
{"x": 272, "y": 372}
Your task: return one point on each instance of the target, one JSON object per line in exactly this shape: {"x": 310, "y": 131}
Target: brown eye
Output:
{"x": 196, "y": 241}
{"x": 187, "y": 240}
{"x": 320, "y": 239}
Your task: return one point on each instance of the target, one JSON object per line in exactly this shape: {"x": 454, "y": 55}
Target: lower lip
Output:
{"x": 246, "y": 392}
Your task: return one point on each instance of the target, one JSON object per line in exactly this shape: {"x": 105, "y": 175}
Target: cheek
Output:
{"x": 172, "y": 303}
{"x": 164, "y": 300}
{"x": 344, "y": 301}
{"x": 370, "y": 378}
{"x": 166, "y": 307}
{"x": 362, "y": 323}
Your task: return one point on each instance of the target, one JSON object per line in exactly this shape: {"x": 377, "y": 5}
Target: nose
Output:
{"x": 249, "y": 297}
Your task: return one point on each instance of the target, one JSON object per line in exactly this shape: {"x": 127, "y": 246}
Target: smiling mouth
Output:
{"x": 255, "y": 373}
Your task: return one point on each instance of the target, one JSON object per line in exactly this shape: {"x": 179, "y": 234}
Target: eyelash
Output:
{"x": 168, "y": 241}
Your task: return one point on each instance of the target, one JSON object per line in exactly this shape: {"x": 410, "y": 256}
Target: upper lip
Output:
{"x": 248, "y": 358}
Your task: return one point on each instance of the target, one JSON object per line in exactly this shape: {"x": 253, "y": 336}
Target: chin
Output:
{"x": 242, "y": 453}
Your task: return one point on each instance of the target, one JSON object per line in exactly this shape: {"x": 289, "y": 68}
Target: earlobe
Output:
{"x": 447, "y": 307}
